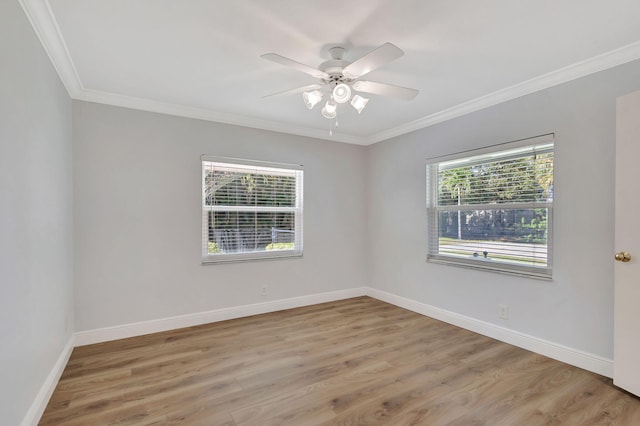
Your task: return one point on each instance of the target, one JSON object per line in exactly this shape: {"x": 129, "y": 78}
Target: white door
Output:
{"x": 626, "y": 335}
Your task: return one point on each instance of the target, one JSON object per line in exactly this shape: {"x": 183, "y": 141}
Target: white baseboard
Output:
{"x": 581, "y": 359}
{"x": 146, "y": 327}
{"x": 577, "y": 358}
{"x": 46, "y": 390}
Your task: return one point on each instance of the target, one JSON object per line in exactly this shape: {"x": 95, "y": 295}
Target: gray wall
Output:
{"x": 137, "y": 188}
{"x": 137, "y": 212}
{"x": 576, "y": 308}
{"x": 36, "y": 221}
{"x": 132, "y": 210}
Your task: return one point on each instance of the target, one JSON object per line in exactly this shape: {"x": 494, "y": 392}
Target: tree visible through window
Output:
{"x": 250, "y": 211}
{"x": 493, "y": 209}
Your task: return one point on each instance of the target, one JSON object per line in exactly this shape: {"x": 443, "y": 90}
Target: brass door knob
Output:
{"x": 623, "y": 256}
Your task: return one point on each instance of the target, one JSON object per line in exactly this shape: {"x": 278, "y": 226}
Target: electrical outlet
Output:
{"x": 264, "y": 289}
{"x": 503, "y": 312}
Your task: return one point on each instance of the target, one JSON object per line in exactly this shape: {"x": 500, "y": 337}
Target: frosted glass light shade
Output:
{"x": 341, "y": 93}
{"x": 358, "y": 102}
{"x": 312, "y": 98}
{"x": 329, "y": 110}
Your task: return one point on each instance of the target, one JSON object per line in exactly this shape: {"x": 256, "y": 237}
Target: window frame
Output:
{"x": 276, "y": 169}
{"x": 544, "y": 143}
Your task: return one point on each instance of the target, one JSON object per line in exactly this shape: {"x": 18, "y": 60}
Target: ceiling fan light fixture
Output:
{"x": 340, "y": 80}
{"x": 358, "y": 102}
{"x": 341, "y": 93}
{"x": 312, "y": 98}
{"x": 329, "y": 110}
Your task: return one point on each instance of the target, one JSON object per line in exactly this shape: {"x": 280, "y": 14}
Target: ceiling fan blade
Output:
{"x": 274, "y": 57}
{"x": 372, "y": 60}
{"x": 296, "y": 90}
{"x": 385, "y": 89}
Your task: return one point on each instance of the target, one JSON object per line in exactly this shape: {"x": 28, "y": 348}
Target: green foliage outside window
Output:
{"x": 487, "y": 186}
{"x": 253, "y": 209}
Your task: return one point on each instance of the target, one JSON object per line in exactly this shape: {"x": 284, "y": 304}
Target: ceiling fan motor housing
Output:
{"x": 334, "y": 69}
{"x": 335, "y": 65}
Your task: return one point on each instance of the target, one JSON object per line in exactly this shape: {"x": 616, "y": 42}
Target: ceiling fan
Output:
{"x": 339, "y": 78}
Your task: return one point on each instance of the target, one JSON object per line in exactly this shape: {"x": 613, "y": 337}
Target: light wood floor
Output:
{"x": 353, "y": 362}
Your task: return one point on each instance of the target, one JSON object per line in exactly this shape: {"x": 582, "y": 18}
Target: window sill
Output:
{"x": 250, "y": 257}
{"x": 489, "y": 265}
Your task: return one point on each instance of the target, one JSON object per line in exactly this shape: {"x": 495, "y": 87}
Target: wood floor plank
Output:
{"x": 358, "y": 361}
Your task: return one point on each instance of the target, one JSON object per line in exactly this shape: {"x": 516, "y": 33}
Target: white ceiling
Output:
{"x": 201, "y": 58}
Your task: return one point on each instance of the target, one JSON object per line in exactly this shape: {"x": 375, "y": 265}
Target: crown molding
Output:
{"x": 209, "y": 115}
{"x": 43, "y": 21}
{"x": 44, "y": 24}
{"x": 613, "y": 58}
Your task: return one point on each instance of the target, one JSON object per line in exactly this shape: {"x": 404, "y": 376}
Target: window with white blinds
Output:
{"x": 250, "y": 210}
{"x": 493, "y": 208}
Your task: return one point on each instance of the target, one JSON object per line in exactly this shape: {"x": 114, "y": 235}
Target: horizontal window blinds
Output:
{"x": 250, "y": 211}
{"x": 493, "y": 210}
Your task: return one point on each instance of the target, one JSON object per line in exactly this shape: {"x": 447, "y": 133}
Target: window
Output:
{"x": 492, "y": 208}
{"x": 250, "y": 210}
